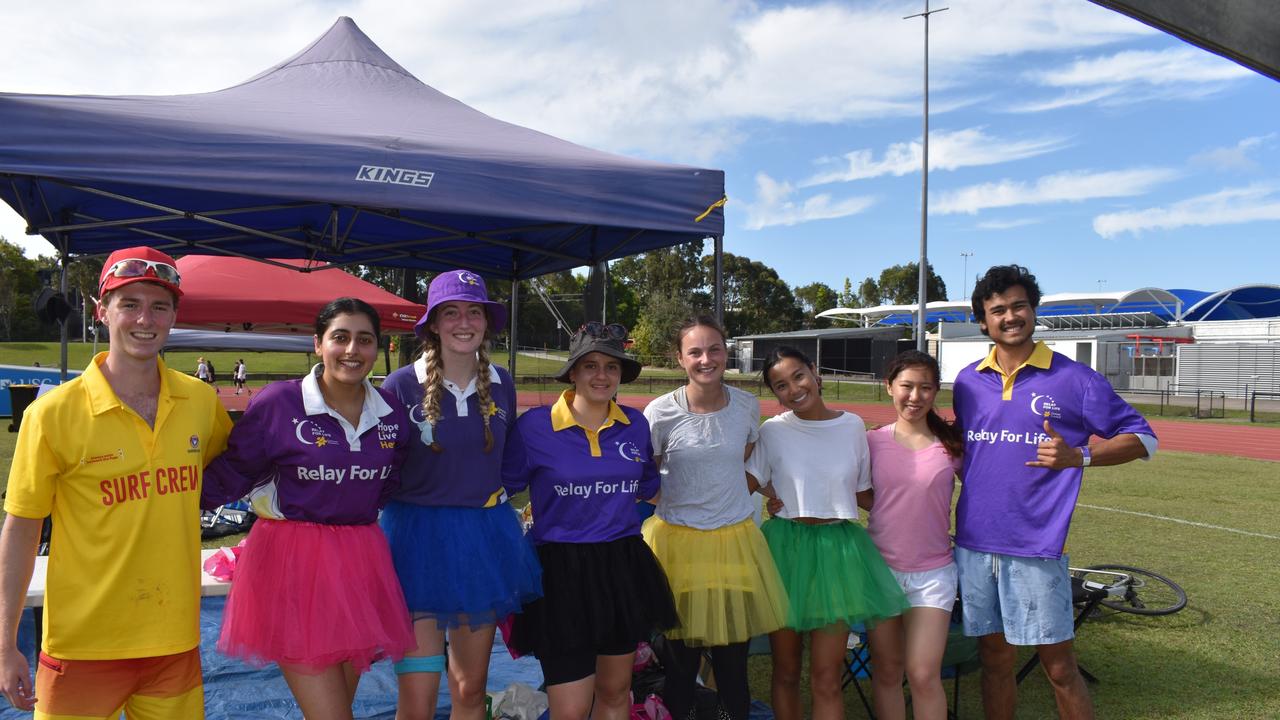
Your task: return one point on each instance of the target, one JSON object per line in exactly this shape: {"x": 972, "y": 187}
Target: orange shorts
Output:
{"x": 150, "y": 688}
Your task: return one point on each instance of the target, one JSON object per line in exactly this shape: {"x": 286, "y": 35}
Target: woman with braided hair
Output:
{"x": 456, "y": 543}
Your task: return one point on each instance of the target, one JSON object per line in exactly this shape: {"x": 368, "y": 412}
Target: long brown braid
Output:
{"x": 432, "y": 385}
{"x": 482, "y": 390}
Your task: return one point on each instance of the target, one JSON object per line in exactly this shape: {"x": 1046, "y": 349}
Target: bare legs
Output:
{"x": 326, "y": 695}
{"x": 826, "y": 667}
{"x": 420, "y": 691}
{"x": 469, "y": 650}
{"x": 999, "y": 687}
{"x": 912, "y": 644}
{"x": 609, "y": 689}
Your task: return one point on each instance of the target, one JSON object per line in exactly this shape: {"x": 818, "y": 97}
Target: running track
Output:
{"x": 1261, "y": 443}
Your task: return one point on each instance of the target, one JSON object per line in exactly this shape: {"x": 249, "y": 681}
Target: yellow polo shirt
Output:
{"x": 1041, "y": 357}
{"x": 124, "y": 558}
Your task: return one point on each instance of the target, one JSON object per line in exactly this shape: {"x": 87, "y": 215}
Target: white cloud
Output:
{"x": 1074, "y": 98}
{"x": 1237, "y": 158}
{"x": 1133, "y": 76}
{"x": 947, "y": 151}
{"x": 1230, "y": 206}
{"x": 1072, "y": 186}
{"x": 774, "y": 205}
{"x": 1178, "y": 65}
{"x": 1007, "y": 224}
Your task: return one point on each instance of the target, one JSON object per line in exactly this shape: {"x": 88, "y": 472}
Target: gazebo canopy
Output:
{"x": 337, "y": 155}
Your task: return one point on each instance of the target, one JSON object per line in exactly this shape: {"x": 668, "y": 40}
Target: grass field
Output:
{"x": 1216, "y": 534}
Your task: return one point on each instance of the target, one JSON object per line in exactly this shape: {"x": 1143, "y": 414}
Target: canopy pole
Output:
{"x": 62, "y": 262}
{"x": 719, "y": 280}
{"x": 408, "y": 291}
{"x": 512, "y": 321}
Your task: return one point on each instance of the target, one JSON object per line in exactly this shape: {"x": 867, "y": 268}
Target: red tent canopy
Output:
{"x": 229, "y": 293}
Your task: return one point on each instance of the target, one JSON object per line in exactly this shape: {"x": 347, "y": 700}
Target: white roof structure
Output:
{"x": 1148, "y": 299}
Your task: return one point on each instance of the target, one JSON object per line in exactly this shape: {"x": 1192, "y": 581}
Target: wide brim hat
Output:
{"x": 584, "y": 344}
{"x": 461, "y": 286}
{"x": 108, "y": 282}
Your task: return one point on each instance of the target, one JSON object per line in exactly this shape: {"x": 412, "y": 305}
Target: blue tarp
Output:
{"x": 337, "y": 153}
{"x": 236, "y": 691}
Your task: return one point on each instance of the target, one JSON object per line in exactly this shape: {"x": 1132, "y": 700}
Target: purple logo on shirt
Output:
{"x": 629, "y": 451}
{"x": 195, "y": 442}
{"x": 309, "y": 433}
{"x": 1045, "y": 406}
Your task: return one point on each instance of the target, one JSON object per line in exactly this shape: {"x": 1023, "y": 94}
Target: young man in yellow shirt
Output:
{"x": 115, "y": 456}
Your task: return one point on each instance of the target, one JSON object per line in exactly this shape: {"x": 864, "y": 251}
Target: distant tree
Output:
{"x": 677, "y": 271}
{"x": 868, "y": 294}
{"x": 847, "y": 298}
{"x": 388, "y": 278}
{"x": 756, "y": 300}
{"x": 815, "y": 298}
{"x": 900, "y": 285}
{"x": 656, "y": 327}
{"x": 19, "y": 281}
{"x": 623, "y": 302}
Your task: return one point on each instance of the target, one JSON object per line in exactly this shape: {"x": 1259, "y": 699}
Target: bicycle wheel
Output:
{"x": 1148, "y": 593}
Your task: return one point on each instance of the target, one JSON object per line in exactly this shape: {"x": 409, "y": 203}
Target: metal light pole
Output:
{"x": 922, "y": 343}
{"x": 964, "y": 284}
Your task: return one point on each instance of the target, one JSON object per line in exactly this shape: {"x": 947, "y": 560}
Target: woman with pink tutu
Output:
{"x": 314, "y": 590}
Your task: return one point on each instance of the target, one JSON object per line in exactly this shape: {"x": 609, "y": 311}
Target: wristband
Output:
{"x": 1085, "y": 457}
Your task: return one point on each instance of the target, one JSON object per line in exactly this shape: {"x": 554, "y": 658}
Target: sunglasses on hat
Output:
{"x": 137, "y": 267}
{"x": 612, "y": 331}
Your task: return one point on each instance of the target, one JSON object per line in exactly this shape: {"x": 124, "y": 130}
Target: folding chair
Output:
{"x": 1086, "y": 600}
{"x": 958, "y": 659}
{"x": 858, "y": 665}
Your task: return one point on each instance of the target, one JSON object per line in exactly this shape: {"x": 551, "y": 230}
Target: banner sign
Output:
{"x": 23, "y": 375}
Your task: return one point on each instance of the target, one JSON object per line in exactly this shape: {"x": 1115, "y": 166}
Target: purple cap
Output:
{"x": 461, "y": 286}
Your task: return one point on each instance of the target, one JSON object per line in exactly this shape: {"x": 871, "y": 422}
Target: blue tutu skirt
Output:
{"x": 461, "y": 565}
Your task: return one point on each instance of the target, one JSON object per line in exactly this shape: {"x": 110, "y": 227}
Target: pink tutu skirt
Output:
{"x": 313, "y": 595}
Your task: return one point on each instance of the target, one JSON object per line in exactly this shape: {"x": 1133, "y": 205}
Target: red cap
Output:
{"x": 109, "y": 281}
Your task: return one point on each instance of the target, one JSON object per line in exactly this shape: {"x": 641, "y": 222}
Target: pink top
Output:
{"x": 911, "y": 520}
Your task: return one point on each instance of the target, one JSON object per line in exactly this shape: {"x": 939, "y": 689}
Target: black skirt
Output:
{"x": 597, "y": 598}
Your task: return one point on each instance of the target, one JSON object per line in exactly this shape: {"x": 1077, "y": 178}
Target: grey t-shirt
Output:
{"x": 704, "y": 482}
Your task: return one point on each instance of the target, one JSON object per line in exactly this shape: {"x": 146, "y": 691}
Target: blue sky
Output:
{"x": 1065, "y": 137}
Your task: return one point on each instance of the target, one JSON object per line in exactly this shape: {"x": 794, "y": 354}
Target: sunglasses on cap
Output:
{"x": 137, "y": 267}
{"x": 612, "y": 331}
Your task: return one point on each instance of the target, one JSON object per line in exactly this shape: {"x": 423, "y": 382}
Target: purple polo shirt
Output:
{"x": 302, "y": 461}
{"x": 464, "y": 474}
{"x": 1009, "y": 508}
{"x": 583, "y": 485}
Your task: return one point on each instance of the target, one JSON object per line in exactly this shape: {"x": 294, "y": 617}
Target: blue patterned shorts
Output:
{"x": 1027, "y": 599}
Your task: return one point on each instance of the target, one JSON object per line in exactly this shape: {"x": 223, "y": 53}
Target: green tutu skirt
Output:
{"x": 833, "y": 574}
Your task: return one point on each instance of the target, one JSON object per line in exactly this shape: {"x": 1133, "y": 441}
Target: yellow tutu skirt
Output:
{"x": 726, "y": 587}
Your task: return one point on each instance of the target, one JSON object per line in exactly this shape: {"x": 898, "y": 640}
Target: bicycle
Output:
{"x": 1132, "y": 589}
{"x": 1122, "y": 588}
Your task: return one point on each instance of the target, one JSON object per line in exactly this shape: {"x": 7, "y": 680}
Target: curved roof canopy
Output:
{"x": 1244, "y": 302}
{"x": 337, "y": 154}
{"x": 1158, "y": 302}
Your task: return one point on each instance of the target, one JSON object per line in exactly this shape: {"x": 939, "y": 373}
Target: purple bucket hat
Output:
{"x": 461, "y": 286}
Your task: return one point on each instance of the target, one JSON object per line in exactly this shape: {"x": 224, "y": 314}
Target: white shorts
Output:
{"x": 929, "y": 588}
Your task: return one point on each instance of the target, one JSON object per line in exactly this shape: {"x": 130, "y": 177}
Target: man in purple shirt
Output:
{"x": 1027, "y": 414}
